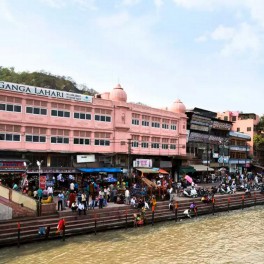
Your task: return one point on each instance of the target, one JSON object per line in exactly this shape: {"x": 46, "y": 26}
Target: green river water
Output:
{"x": 234, "y": 237}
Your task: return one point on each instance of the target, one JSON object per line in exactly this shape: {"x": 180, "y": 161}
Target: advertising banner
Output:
{"x": 42, "y": 182}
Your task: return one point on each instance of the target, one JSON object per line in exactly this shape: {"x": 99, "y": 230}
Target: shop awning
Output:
{"x": 199, "y": 167}
{"x": 149, "y": 183}
{"x": 187, "y": 169}
{"x": 161, "y": 171}
{"x": 258, "y": 166}
{"x": 148, "y": 170}
{"x": 97, "y": 170}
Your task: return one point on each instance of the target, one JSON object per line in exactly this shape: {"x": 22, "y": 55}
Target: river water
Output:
{"x": 234, "y": 237}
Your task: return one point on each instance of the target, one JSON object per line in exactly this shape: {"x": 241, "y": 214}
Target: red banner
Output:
{"x": 42, "y": 182}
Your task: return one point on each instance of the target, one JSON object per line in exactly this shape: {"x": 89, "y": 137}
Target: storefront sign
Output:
{"x": 12, "y": 166}
{"x": 42, "y": 182}
{"x": 85, "y": 158}
{"x": 52, "y": 170}
{"x": 142, "y": 163}
{"x": 21, "y": 88}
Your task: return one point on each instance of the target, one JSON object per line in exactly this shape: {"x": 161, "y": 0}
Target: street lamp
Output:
{"x": 39, "y": 167}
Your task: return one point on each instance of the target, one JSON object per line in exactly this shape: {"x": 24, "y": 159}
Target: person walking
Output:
{"x": 84, "y": 200}
{"x": 127, "y": 196}
{"x": 60, "y": 201}
{"x": 40, "y": 194}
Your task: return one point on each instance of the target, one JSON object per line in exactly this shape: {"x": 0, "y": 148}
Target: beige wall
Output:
{"x": 4, "y": 192}
{"x": 25, "y": 200}
{"x": 18, "y": 198}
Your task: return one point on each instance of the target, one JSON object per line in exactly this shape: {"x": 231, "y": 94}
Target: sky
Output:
{"x": 207, "y": 53}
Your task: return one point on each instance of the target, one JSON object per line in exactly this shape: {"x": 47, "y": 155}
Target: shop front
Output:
{"x": 12, "y": 171}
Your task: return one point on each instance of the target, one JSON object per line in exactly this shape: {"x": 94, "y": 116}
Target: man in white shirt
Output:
{"x": 81, "y": 209}
{"x": 50, "y": 191}
{"x": 71, "y": 186}
{"x": 127, "y": 196}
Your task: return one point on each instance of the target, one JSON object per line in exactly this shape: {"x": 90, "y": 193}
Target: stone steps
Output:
{"x": 110, "y": 218}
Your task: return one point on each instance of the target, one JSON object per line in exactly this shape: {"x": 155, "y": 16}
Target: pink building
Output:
{"x": 243, "y": 123}
{"x": 69, "y": 131}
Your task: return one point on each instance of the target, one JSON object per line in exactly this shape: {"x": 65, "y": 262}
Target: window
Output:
{"x": 145, "y": 120}
{"x": 10, "y": 107}
{"x": 10, "y": 133}
{"x": 102, "y": 118}
{"x": 102, "y": 139}
{"x": 155, "y": 124}
{"x": 9, "y": 137}
{"x": 59, "y": 140}
{"x": 173, "y": 125}
{"x": 165, "y": 146}
{"x": 60, "y": 113}
{"x": 35, "y": 135}
{"x": 134, "y": 144}
{"x": 145, "y": 123}
{"x": 155, "y": 143}
{"x": 60, "y": 110}
{"x": 135, "y": 140}
{"x": 135, "y": 122}
{"x": 84, "y": 116}
{"x": 82, "y": 137}
{"x": 135, "y": 119}
{"x": 234, "y": 118}
{"x": 35, "y": 138}
{"x": 144, "y": 145}
{"x": 248, "y": 128}
{"x": 36, "y": 110}
{"x": 60, "y": 136}
{"x": 238, "y": 129}
{"x": 145, "y": 141}
{"x": 102, "y": 115}
{"x": 226, "y": 118}
{"x": 101, "y": 142}
{"x": 173, "y": 143}
{"x": 81, "y": 141}
{"x": 165, "y": 123}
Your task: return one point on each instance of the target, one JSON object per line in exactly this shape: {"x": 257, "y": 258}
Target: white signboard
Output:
{"x": 21, "y": 88}
{"x": 142, "y": 163}
{"x": 85, "y": 158}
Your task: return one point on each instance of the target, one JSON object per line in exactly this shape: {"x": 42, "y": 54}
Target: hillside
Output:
{"x": 45, "y": 80}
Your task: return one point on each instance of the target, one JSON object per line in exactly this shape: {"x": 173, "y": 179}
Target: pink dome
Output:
{"x": 178, "y": 107}
{"x": 118, "y": 94}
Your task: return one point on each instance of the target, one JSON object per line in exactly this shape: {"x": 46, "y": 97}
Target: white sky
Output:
{"x": 208, "y": 53}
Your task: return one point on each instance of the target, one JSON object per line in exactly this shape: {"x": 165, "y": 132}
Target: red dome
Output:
{"x": 178, "y": 107}
{"x": 118, "y": 94}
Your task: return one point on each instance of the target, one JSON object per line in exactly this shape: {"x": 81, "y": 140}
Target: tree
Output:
{"x": 260, "y": 125}
{"x": 258, "y": 140}
{"x": 43, "y": 79}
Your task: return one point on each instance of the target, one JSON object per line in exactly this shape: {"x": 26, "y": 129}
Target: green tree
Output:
{"x": 258, "y": 140}
{"x": 260, "y": 125}
{"x": 43, "y": 79}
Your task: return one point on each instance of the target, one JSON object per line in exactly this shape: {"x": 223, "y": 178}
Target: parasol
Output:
{"x": 188, "y": 178}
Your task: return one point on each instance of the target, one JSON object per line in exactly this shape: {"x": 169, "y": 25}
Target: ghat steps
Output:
{"x": 115, "y": 217}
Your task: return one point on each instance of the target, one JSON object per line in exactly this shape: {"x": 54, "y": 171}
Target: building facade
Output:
{"x": 59, "y": 127}
{"x": 207, "y": 138}
{"x": 243, "y": 123}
